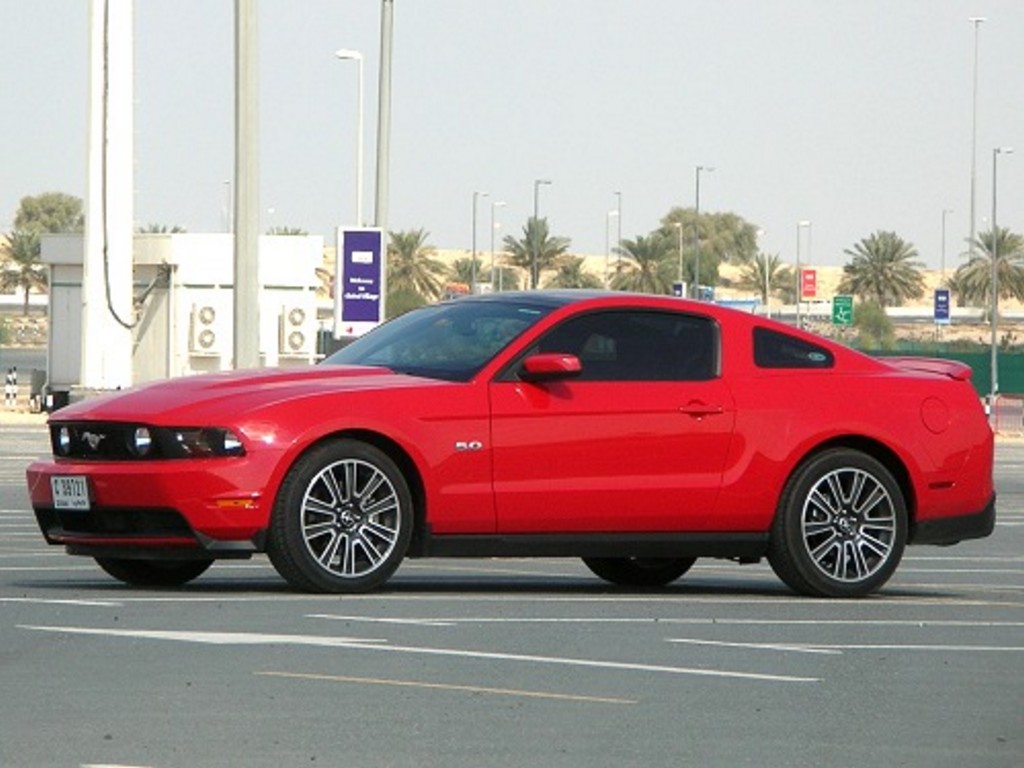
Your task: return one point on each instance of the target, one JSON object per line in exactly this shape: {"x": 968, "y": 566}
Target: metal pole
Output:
{"x": 247, "y": 187}
{"x": 798, "y": 286}
{"x": 994, "y": 390}
{"x": 380, "y": 218}
{"x": 618, "y": 223}
{"x": 472, "y": 261}
{"x": 976, "y": 21}
{"x": 534, "y": 272}
{"x": 356, "y": 56}
{"x": 945, "y": 211}
{"x": 494, "y": 204}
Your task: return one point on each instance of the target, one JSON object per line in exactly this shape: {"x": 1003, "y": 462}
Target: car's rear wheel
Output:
{"x": 841, "y": 526}
{"x": 639, "y": 571}
{"x": 342, "y": 520}
{"x": 153, "y": 573}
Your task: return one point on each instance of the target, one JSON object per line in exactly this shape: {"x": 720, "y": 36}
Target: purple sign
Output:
{"x": 359, "y": 282}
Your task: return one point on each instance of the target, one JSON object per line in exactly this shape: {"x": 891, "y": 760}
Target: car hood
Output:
{"x": 209, "y": 398}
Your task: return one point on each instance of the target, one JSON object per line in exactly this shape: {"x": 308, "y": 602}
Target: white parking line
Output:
{"x": 839, "y": 648}
{"x": 446, "y": 621}
{"x": 250, "y": 638}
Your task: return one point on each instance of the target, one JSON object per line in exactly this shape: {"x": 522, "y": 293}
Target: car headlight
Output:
{"x": 141, "y": 442}
{"x": 63, "y": 442}
{"x": 206, "y": 441}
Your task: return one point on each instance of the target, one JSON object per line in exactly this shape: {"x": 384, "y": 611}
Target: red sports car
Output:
{"x": 635, "y": 432}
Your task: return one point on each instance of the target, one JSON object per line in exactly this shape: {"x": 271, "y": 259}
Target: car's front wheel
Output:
{"x": 153, "y": 573}
{"x": 841, "y": 526}
{"x": 639, "y": 571}
{"x": 342, "y": 520}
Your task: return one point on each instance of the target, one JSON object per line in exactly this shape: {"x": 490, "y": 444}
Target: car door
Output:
{"x": 636, "y": 443}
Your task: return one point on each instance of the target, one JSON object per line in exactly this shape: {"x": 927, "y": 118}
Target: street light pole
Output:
{"x": 994, "y": 390}
{"x": 495, "y": 204}
{"x": 945, "y": 212}
{"x": 534, "y": 276}
{"x": 607, "y": 247}
{"x": 472, "y": 260}
{"x": 348, "y": 55}
{"x": 679, "y": 226}
{"x": 618, "y": 222}
{"x": 976, "y": 21}
{"x": 799, "y": 277}
{"x": 696, "y": 233}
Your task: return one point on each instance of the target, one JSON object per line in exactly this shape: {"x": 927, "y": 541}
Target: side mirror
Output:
{"x": 551, "y": 366}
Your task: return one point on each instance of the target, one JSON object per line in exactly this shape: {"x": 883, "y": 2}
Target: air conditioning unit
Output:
{"x": 205, "y": 337}
{"x": 295, "y": 333}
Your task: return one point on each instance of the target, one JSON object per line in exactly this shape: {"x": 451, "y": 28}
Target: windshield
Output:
{"x": 451, "y": 341}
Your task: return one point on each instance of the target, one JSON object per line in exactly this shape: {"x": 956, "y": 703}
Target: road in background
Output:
{"x": 509, "y": 662}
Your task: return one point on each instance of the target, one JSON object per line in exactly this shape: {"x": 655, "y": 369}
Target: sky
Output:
{"x": 853, "y": 115}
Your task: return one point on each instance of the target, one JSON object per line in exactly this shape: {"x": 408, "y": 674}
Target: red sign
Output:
{"x": 808, "y": 283}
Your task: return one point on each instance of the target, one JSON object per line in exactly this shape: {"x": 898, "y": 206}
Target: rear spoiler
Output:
{"x": 954, "y": 369}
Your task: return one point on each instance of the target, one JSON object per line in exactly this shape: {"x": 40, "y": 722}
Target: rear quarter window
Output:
{"x": 773, "y": 349}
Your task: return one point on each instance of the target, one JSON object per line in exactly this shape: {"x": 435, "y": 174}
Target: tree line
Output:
{"x": 688, "y": 248}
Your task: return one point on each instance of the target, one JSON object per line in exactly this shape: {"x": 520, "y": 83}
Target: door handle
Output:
{"x": 699, "y": 410}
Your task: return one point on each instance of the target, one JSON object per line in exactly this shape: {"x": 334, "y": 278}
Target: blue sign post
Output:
{"x": 942, "y": 306}
{"x": 358, "y": 281}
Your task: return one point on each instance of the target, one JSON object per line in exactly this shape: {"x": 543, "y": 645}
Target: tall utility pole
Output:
{"x": 994, "y": 289}
{"x": 106, "y": 361}
{"x": 976, "y": 21}
{"x": 247, "y": 186}
{"x": 534, "y": 270}
{"x": 696, "y": 234}
{"x": 380, "y": 216}
{"x": 472, "y": 260}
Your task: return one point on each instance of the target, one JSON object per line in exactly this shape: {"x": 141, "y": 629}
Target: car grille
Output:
{"x": 92, "y": 440}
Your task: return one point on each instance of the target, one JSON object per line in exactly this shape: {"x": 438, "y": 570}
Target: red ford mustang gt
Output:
{"x": 635, "y": 432}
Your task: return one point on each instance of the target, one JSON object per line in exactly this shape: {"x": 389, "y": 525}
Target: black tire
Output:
{"x": 841, "y": 526}
{"x": 342, "y": 520}
{"x": 639, "y": 571}
{"x": 153, "y": 573}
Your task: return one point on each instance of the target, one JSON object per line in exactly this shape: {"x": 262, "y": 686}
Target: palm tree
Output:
{"x": 974, "y": 279}
{"x": 412, "y": 268}
{"x": 884, "y": 270}
{"x": 22, "y": 270}
{"x": 752, "y": 276}
{"x": 571, "y": 274}
{"x": 537, "y": 251}
{"x": 646, "y": 265}
{"x": 463, "y": 271}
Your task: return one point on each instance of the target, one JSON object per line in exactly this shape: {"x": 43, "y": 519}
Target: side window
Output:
{"x": 638, "y": 346}
{"x": 773, "y": 349}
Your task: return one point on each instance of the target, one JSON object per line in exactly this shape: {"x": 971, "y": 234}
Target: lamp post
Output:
{"x": 534, "y": 276}
{"x": 348, "y": 55}
{"x": 995, "y": 286}
{"x": 976, "y": 21}
{"x": 618, "y": 222}
{"x": 945, "y": 212}
{"x": 494, "y": 226}
{"x": 696, "y": 233}
{"x": 799, "y": 276}
{"x": 679, "y": 227}
{"x": 472, "y": 260}
{"x": 764, "y": 267}
{"x": 607, "y": 248}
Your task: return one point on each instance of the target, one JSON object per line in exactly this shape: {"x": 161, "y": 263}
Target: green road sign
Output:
{"x": 842, "y": 310}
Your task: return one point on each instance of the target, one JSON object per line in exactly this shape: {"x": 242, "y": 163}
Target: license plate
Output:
{"x": 70, "y": 492}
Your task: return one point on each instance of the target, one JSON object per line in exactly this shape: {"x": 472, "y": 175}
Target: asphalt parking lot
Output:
{"x": 510, "y": 662}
